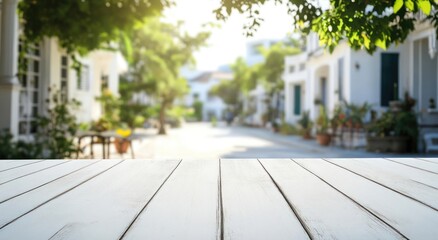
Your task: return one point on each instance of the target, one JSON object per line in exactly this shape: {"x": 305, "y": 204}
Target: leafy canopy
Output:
{"x": 161, "y": 49}
{"x": 85, "y": 25}
{"x": 365, "y": 24}
{"x": 272, "y": 68}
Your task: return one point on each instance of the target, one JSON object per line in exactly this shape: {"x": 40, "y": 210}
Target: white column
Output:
{"x": 287, "y": 102}
{"x": 311, "y": 93}
{"x": 9, "y": 85}
{"x": 332, "y": 85}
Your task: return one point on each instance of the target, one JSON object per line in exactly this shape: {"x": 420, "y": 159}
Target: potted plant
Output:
{"x": 121, "y": 143}
{"x": 322, "y": 126}
{"x": 395, "y": 131}
{"x": 306, "y": 125}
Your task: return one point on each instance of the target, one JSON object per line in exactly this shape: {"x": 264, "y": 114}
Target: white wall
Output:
{"x": 99, "y": 62}
{"x": 324, "y": 64}
{"x": 365, "y": 85}
{"x": 298, "y": 77}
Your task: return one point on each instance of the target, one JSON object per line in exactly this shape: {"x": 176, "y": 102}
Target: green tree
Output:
{"x": 232, "y": 91}
{"x": 271, "y": 71}
{"x": 369, "y": 24}
{"x": 85, "y": 25}
{"x": 161, "y": 49}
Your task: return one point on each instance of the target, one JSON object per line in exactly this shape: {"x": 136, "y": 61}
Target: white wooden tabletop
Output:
{"x": 219, "y": 199}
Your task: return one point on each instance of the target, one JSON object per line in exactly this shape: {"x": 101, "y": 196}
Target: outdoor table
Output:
{"x": 105, "y": 139}
{"x": 219, "y": 199}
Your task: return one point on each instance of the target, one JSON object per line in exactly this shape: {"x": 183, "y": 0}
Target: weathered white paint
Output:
{"x": 20, "y": 205}
{"x": 41, "y": 178}
{"x": 322, "y": 208}
{"x": 101, "y": 209}
{"x": 26, "y": 170}
{"x": 253, "y": 208}
{"x": 409, "y": 217}
{"x": 5, "y": 165}
{"x": 427, "y": 166}
{"x": 413, "y": 182}
{"x": 169, "y": 199}
{"x": 189, "y": 201}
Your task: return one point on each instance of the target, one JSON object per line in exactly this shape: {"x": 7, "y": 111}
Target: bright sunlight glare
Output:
{"x": 229, "y": 41}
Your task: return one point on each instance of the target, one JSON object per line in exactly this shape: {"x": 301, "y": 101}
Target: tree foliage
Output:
{"x": 271, "y": 71}
{"x": 161, "y": 49}
{"x": 231, "y": 91}
{"x": 85, "y": 25}
{"x": 365, "y": 24}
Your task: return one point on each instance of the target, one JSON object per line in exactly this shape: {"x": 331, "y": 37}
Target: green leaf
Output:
{"x": 381, "y": 44}
{"x": 366, "y": 40}
{"x": 397, "y": 5}
{"x": 410, "y": 5}
{"x": 425, "y": 6}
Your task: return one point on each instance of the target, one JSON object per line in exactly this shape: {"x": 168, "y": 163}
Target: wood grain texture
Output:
{"x": 20, "y": 205}
{"x": 102, "y": 208}
{"x": 11, "y": 164}
{"x": 412, "y": 182}
{"x": 38, "y": 179}
{"x": 418, "y": 164}
{"x": 432, "y": 160}
{"x": 26, "y": 170}
{"x": 327, "y": 213}
{"x": 253, "y": 208}
{"x": 411, "y": 218}
{"x": 186, "y": 207}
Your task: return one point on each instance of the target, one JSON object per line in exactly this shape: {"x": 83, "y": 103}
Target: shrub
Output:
{"x": 288, "y": 129}
{"x": 18, "y": 149}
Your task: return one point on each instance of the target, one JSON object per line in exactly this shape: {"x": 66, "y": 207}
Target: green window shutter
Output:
{"x": 297, "y": 99}
{"x": 389, "y": 78}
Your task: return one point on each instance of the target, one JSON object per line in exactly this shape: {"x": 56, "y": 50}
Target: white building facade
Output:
{"x": 200, "y": 87}
{"x": 255, "y": 104}
{"x": 357, "y": 77}
{"x": 23, "y": 97}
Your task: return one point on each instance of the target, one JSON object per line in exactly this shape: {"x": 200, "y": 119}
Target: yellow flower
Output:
{"x": 123, "y": 132}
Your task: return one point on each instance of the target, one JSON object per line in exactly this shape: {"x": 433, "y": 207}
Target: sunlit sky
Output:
{"x": 227, "y": 42}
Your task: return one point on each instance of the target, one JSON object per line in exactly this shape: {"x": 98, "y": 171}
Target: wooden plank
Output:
{"x": 102, "y": 208}
{"x": 22, "y": 204}
{"x": 186, "y": 207}
{"x": 7, "y": 165}
{"x": 432, "y": 160}
{"x": 253, "y": 207}
{"x": 33, "y": 181}
{"x": 322, "y": 207}
{"x": 416, "y": 163}
{"x": 417, "y": 184}
{"x": 23, "y": 171}
{"x": 411, "y": 218}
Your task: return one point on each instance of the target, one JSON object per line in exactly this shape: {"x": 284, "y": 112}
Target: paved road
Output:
{"x": 202, "y": 141}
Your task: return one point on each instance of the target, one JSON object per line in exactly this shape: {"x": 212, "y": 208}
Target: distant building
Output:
{"x": 200, "y": 87}
{"x": 255, "y": 105}
{"x": 253, "y": 54}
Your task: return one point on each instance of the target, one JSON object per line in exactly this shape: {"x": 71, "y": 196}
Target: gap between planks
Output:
{"x": 302, "y": 222}
{"x": 58, "y": 195}
{"x": 382, "y": 184}
{"x": 147, "y": 203}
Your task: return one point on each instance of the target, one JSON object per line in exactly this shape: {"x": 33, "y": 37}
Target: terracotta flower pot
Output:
{"x": 121, "y": 145}
{"x": 323, "y": 139}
